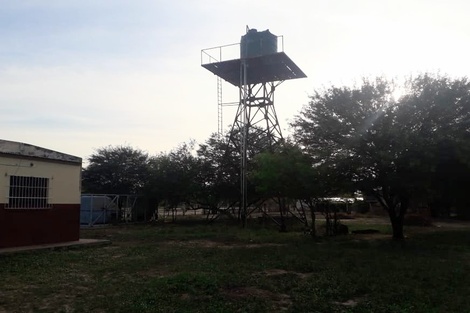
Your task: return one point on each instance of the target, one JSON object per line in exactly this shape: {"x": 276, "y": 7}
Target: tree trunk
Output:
{"x": 397, "y": 218}
{"x": 312, "y": 212}
{"x": 281, "y": 202}
{"x": 396, "y": 211}
{"x": 397, "y": 227}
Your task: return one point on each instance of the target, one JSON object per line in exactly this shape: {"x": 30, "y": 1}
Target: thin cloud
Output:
{"x": 76, "y": 75}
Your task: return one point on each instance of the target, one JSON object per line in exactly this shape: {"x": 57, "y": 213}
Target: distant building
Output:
{"x": 39, "y": 195}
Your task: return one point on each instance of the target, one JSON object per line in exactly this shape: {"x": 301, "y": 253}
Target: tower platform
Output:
{"x": 262, "y": 69}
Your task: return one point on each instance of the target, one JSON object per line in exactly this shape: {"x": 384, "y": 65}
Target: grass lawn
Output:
{"x": 222, "y": 268}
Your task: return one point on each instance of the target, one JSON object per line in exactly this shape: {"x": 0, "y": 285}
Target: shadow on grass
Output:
{"x": 224, "y": 268}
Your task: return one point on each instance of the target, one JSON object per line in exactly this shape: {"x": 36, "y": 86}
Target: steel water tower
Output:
{"x": 261, "y": 66}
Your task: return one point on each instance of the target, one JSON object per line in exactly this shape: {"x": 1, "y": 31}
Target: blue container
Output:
{"x": 96, "y": 209}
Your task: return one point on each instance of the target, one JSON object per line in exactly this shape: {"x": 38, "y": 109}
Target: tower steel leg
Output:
{"x": 255, "y": 129}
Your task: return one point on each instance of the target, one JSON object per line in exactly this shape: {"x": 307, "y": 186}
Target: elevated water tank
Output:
{"x": 255, "y": 44}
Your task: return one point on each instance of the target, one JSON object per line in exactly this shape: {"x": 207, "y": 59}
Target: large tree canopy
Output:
{"x": 437, "y": 109}
{"x": 116, "y": 170}
{"x": 387, "y": 146}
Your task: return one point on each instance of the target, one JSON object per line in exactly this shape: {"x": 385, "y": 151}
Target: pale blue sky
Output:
{"x": 79, "y": 75}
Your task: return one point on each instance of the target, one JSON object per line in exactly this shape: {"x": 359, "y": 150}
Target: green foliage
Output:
{"x": 219, "y": 173}
{"x": 391, "y": 148}
{"x": 173, "y": 176}
{"x": 438, "y": 109}
{"x": 116, "y": 170}
{"x": 353, "y": 132}
{"x": 415, "y": 149}
{"x": 283, "y": 173}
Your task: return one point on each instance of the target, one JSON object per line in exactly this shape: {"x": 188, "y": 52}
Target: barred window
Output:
{"x": 28, "y": 192}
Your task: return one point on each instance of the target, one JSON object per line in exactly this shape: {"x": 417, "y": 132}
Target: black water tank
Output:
{"x": 255, "y": 44}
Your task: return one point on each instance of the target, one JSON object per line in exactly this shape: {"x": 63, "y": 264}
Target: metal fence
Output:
{"x": 102, "y": 209}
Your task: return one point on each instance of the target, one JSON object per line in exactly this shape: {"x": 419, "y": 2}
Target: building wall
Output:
{"x": 64, "y": 178}
{"x": 25, "y": 227}
{"x": 60, "y": 223}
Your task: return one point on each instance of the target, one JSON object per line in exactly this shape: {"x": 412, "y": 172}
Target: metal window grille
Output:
{"x": 28, "y": 193}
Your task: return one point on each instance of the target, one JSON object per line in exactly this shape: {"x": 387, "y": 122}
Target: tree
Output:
{"x": 353, "y": 132}
{"x": 277, "y": 175}
{"x": 221, "y": 169}
{"x": 389, "y": 148}
{"x": 288, "y": 175}
{"x": 116, "y": 170}
{"x": 219, "y": 174}
{"x": 437, "y": 108}
{"x": 173, "y": 177}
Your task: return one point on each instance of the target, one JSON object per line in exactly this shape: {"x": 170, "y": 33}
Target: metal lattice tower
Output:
{"x": 257, "y": 73}
{"x": 256, "y": 111}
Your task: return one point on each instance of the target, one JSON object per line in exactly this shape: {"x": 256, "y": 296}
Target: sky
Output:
{"x": 79, "y": 75}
